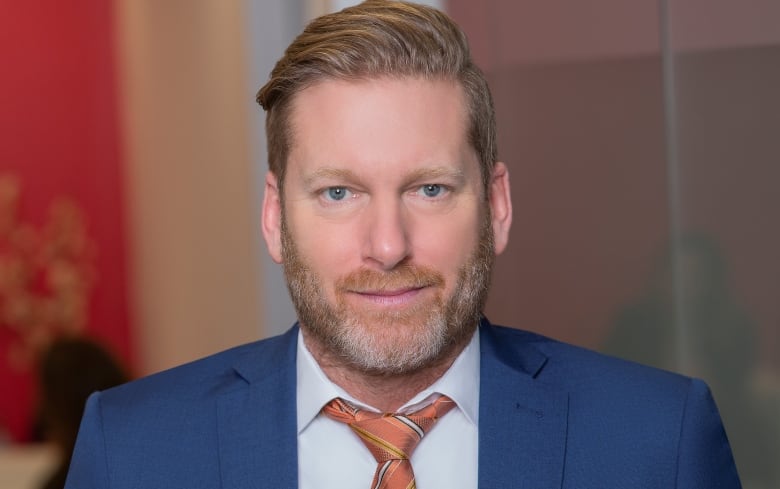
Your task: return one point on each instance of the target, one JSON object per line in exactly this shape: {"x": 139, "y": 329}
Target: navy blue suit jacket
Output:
{"x": 551, "y": 416}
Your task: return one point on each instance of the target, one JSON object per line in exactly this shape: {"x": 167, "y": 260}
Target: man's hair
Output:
{"x": 371, "y": 40}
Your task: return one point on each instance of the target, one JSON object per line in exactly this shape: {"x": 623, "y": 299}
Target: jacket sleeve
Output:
{"x": 88, "y": 467}
{"x": 704, "y": 456}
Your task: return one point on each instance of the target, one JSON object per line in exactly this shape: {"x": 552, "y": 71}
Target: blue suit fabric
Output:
{"x": 551, "y": 415}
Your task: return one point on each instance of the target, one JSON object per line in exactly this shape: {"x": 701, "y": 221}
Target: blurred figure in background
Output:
{"x": 698, "y": 328}
{"x": 70, "y": 370}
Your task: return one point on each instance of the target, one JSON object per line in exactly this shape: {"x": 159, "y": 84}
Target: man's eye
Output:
{"x": 432, "y": 190}
{"x": 335, "y": 193}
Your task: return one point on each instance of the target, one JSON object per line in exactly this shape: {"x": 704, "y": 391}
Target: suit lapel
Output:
{"x": 522, "y": 419}
{"x": 257, "y": 423}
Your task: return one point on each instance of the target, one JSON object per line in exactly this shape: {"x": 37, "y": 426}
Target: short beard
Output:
{"x": 393, "y": 343}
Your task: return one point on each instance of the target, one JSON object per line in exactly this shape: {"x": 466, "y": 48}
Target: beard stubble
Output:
{"x": 391, "y": 342}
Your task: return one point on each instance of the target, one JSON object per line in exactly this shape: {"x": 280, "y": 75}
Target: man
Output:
{"x": 385, "y": 204}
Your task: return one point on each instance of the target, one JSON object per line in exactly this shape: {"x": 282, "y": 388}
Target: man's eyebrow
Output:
{"x": 420, "y": 174}
{"x": 325, "y": 173}
{"x": 435, "y": 173}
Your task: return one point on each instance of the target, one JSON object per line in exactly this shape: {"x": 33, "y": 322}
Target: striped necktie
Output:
{"x": 390, "y": 437}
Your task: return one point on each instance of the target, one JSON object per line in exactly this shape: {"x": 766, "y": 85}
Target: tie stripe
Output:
{"x": 411, "y": 424}
{"x": 381, "y": 473}
{"x": 391, "y": 438}
{"x": 395, "y": 452}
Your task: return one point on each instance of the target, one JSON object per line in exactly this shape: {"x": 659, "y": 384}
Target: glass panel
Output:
{"x": 725, "y": 74}
{"x": 580, "y": 107}
{"x": 645, "y": 159}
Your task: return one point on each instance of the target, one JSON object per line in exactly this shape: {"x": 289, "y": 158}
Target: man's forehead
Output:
{"x": 344, "y": 109}
{"x": 451, "y": 89}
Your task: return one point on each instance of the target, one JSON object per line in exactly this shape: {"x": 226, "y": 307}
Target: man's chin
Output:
{"x": 392, "y": 347}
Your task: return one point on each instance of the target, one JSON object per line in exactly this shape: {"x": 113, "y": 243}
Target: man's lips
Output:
{"x": 389, "y": 297}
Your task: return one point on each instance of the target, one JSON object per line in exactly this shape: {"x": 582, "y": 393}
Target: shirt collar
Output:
{"x": 460, "y": 382}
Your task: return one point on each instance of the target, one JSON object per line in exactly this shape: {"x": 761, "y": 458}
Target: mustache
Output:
{"x": 404, "y": 276}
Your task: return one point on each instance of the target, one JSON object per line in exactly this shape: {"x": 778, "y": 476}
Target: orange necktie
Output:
{"x": 390, "y": 437}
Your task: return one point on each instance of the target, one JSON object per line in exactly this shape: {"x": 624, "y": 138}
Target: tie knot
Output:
{"x": 389, "y": 436}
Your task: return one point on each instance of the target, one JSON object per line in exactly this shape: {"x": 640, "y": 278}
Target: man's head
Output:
{"x": 371, "y": 40}
{"x": 384, "y": 201}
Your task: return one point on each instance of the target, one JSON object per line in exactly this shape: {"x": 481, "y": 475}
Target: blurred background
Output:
{"x": 641, "y": 137}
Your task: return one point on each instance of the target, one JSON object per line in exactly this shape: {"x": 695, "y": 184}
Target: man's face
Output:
{"x": 384, "y": 228}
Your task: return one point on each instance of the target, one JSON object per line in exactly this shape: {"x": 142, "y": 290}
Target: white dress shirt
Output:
{"x": 330, "y": 455}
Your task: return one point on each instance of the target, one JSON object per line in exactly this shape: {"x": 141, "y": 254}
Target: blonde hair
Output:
{"x": 377, "y": 39}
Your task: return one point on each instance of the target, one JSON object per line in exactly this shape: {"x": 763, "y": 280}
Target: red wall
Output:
{"x": 59, "y": 138}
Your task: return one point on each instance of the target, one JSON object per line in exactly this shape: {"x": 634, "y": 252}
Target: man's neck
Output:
{"x": 383, "y": 391}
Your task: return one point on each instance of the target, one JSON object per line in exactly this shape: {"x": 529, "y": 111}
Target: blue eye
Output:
{"x": 432, "y": 190}
{"x": 336, "y": 193}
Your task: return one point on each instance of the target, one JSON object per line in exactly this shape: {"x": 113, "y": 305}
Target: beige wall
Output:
{"x": 192, "y": 198}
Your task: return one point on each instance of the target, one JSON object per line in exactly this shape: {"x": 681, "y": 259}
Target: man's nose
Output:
{"x": 387, "y": 240}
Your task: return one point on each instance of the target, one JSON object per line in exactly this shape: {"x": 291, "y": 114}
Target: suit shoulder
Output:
{"x": 579, "y": 368}
{"x": 205, "y": 377}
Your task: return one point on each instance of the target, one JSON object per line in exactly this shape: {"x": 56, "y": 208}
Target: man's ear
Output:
{"x": 500, "y": 199}
{"x": 272, "y": 217}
